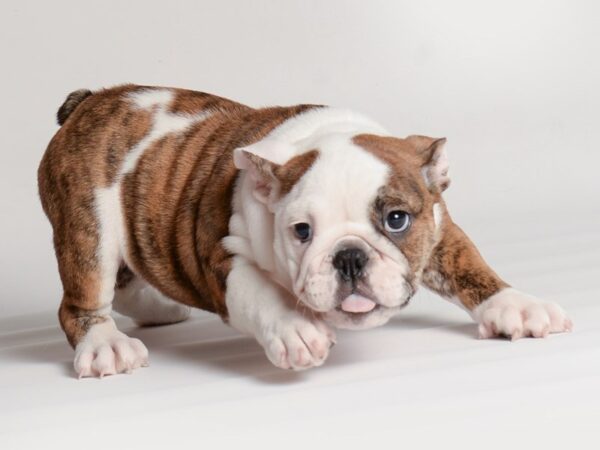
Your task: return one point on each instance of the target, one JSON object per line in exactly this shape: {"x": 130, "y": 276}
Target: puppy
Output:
{"x": 288, "y": 222}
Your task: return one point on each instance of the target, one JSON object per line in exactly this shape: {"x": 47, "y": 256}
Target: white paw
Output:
{"x": 297, "y": 343}
{"x": 104, "y": 350}
{"x": 514, "y": 314}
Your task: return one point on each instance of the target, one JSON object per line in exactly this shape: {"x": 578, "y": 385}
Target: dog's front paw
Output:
{"x": 514, "y": 314}
{"x": 104, "y": 350}
{"x": 297, "y": 343}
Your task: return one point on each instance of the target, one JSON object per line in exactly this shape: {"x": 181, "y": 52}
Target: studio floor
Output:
{"x": 422, "y": 379}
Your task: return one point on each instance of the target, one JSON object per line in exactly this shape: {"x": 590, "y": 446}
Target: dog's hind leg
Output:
{"x": 88, "y": 254}
{"x": 145, "y": 304}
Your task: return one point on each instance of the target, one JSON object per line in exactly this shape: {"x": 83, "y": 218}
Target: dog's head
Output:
{"x": 354, "y": 219}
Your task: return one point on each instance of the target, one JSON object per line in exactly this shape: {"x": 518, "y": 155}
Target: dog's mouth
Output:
{"x": 359, "y": 310}
{"x": 358, "y": 307}
{"x": 359, "y": 315}
{"x": 355, "y": 305}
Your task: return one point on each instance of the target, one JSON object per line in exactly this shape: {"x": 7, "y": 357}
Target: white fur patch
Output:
{"x": 163, "y": 124}
{"x": 264, "y": 310}
{"x": 149, "y": 98}
{"x": 437, "y": 215}
{"x": 515, "y": 314}
{"x": 104, "y": 350}
{"x": 320, "y": 121}
{"x": 111, "y": 231}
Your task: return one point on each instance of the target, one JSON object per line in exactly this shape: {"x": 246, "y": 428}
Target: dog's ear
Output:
{"x": 261, "y": 171}
{"x": 272, "y": 166}
{"x": 434, "y": 161}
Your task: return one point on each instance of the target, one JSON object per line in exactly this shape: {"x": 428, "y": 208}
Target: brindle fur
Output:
{"x": 456, "y": 269}
{"x": 170, "y": 243}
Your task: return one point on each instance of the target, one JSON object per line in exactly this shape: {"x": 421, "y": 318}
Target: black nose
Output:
{"x": 350, "y": 263}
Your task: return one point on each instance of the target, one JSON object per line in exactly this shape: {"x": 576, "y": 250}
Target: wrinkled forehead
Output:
{"x": 347, "y": 178}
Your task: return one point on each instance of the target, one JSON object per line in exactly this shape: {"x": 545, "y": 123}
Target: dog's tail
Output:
{"x": 71, "y": 103}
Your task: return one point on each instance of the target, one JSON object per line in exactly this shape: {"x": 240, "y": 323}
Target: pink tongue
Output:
{"x": 357, "y": 304}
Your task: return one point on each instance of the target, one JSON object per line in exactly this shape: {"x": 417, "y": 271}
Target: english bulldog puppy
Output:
{"x": 288, "y": 222}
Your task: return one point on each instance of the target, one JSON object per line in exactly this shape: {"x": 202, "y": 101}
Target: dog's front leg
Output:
{"x": 457, "y": 272}
{"x": 260, "y": 308}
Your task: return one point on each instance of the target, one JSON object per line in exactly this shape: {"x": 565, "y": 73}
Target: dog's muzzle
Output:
{"x": 350, "y": 264}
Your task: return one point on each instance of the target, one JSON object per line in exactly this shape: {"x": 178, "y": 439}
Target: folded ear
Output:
{"x": 261, "y": 171}
{"x": 272, "y": 167}
{"x": 435, "y": 165}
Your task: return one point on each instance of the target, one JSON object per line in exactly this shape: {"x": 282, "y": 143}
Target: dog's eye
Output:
{"x": 303, "y": 231}
{"x": 397, "y": 221}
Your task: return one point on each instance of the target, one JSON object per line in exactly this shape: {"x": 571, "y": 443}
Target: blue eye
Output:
{"x": 303, "y": 231}
{"x": 397, "y": 221}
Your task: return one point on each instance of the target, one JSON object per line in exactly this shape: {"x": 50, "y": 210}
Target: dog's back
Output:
{"x": 122, "y": 182}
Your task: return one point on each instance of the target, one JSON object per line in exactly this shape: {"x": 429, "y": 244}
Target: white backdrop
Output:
{"x": 514, "y": 86}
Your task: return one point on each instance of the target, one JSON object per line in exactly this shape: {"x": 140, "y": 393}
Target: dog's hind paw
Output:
{"x": 104, "y": 350}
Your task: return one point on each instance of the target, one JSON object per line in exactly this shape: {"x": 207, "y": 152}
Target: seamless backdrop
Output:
{"x": 514, "y": 86}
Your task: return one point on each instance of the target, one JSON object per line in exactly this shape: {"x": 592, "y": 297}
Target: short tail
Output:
{"x": 70, "y": 104}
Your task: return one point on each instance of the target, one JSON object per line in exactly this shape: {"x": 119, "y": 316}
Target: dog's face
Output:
{"x": 354, "y": 220}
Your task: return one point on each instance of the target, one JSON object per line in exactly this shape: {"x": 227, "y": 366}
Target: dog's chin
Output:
{"x": 360, "y": 320}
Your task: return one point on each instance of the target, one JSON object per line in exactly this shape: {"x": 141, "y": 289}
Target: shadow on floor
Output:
{"x": 204, "y": 341}
{"x": 422, "y": 322}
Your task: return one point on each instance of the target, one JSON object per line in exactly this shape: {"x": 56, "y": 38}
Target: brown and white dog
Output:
{"x": 285, "y": 221}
